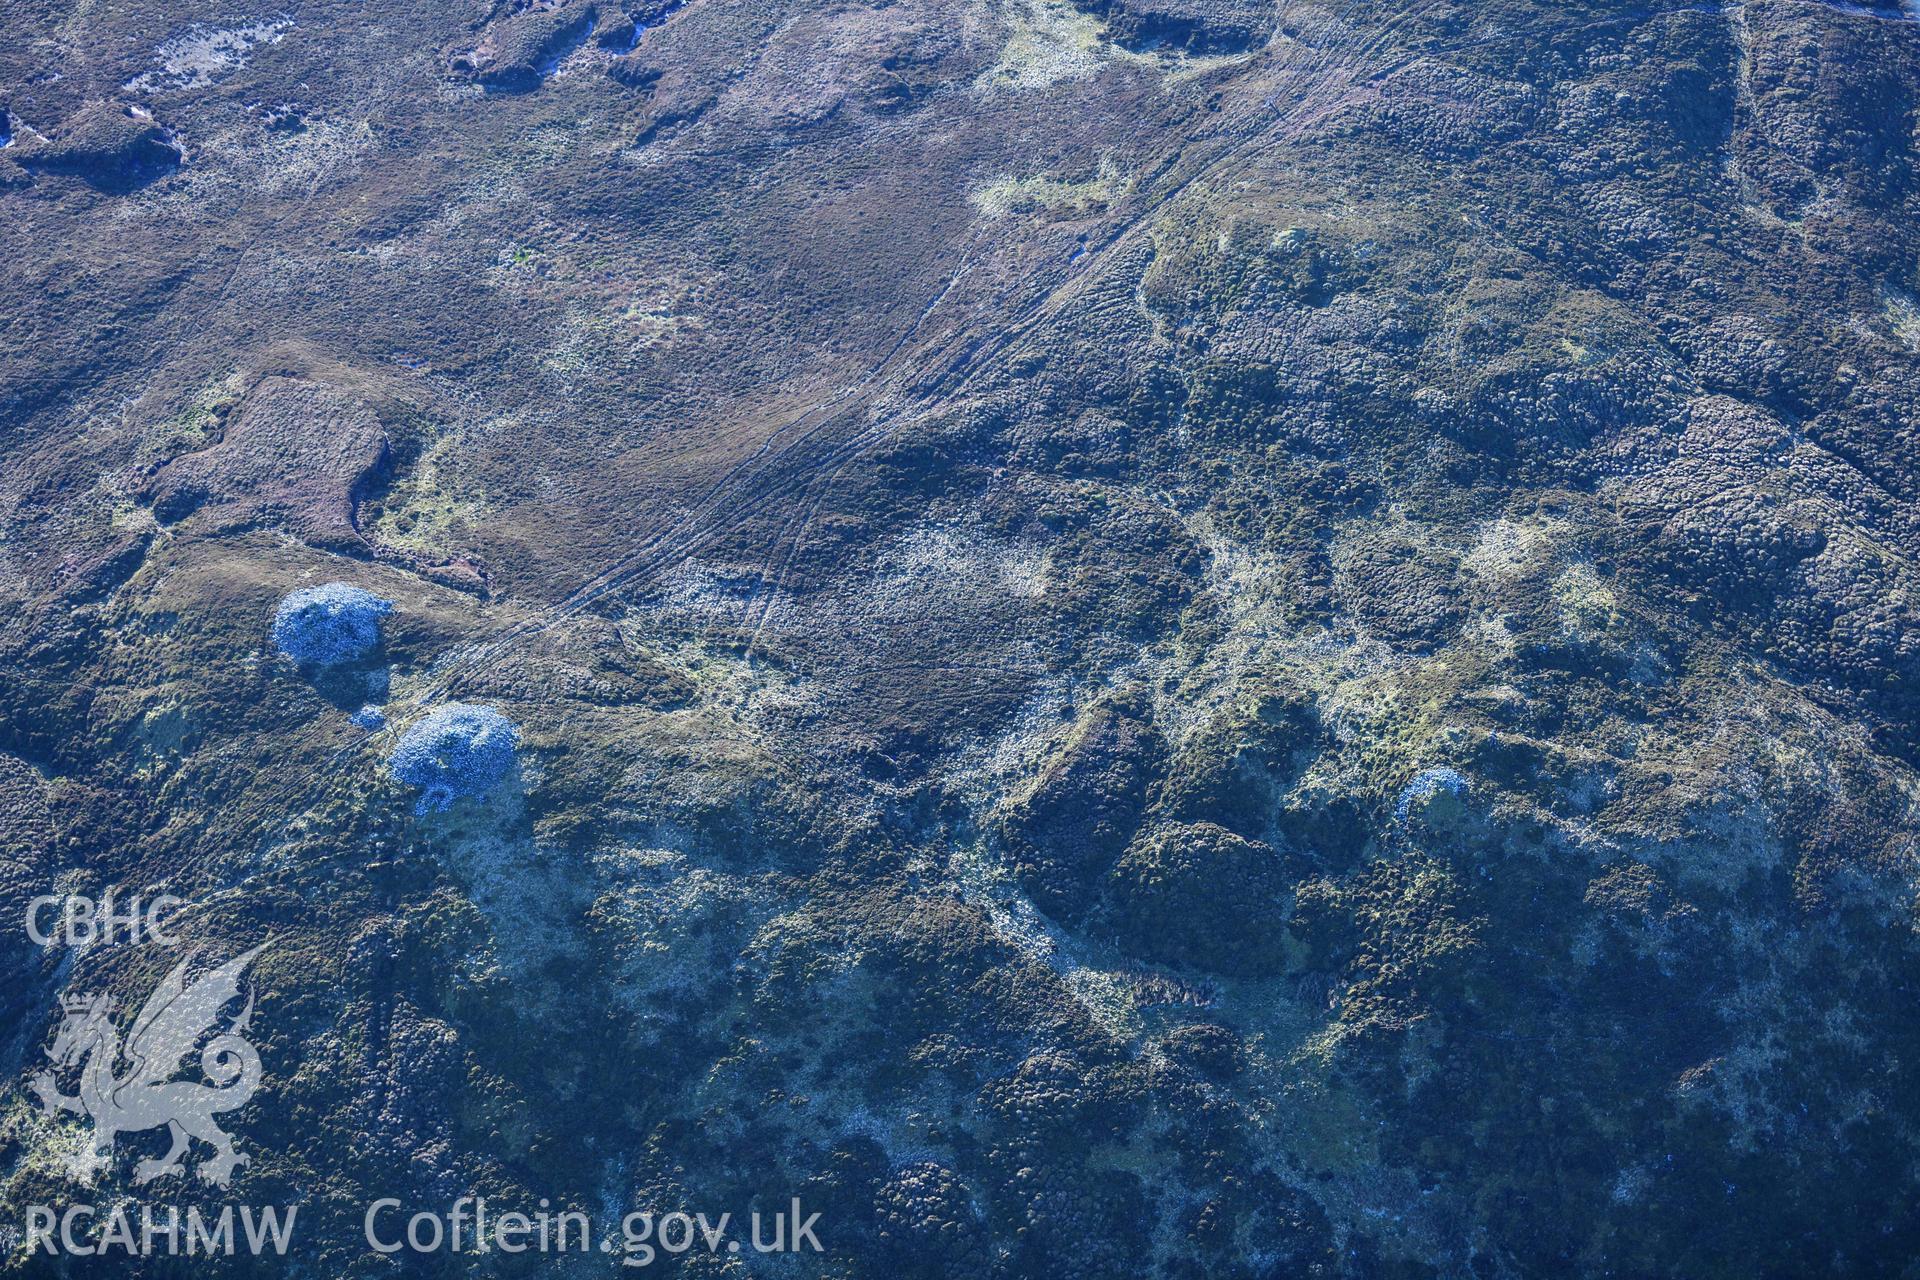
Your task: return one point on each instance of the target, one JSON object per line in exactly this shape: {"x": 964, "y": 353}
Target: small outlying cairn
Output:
{"x": 1428, "y": 785}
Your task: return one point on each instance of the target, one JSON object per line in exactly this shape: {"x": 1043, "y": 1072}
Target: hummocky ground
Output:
{"x": 1161, "y": 638}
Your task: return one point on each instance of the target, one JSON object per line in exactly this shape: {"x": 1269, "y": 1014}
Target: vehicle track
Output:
{"x": 1339, "y": 69}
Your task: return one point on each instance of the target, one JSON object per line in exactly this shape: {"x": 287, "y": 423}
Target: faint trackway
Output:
{"x": 697, "y": 528}
{"x": 1337, "y": 75}
{"x": 1342, "y": 69}
{"x": 756, "y": 481}
{"x": 1337, "y": 78}
{"x": 1309, "y": 107}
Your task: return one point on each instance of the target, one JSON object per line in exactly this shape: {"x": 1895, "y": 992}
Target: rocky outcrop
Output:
{"x": 517, "y": 52}
{"x": 114, "y": 146}
{"x": 292, "y": 457}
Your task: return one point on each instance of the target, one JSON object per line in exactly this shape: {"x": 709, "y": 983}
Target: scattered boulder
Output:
{"x": 458, "y": 751}
{"x": 284, "y": 120}
{"x": 329, "y": 625}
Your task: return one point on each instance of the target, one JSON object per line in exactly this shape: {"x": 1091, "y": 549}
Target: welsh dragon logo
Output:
{"x": 172, "y": 1021}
